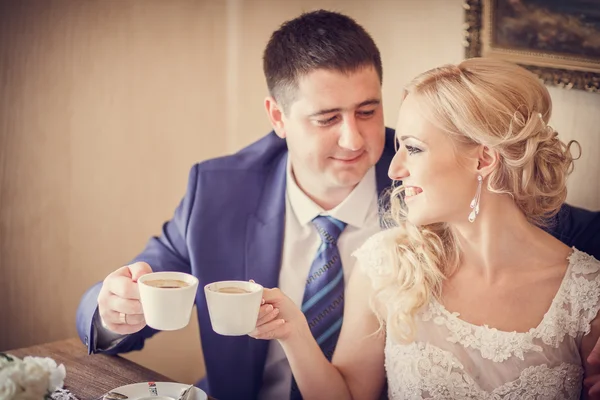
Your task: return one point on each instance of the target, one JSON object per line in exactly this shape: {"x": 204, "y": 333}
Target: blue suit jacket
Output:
{"x": 230, "y": 225}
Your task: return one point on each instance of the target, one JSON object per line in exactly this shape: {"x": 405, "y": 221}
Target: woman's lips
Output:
{"x": 412, "y": 191}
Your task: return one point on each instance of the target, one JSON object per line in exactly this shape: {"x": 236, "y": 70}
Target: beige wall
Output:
{"x": 105, "y": 104}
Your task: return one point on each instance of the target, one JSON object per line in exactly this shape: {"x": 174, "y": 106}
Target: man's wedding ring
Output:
{"x": 123, "y": 318}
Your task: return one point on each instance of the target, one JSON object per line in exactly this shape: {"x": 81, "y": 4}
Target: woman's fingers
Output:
{"x": 264, "y": 310}
{"x": 268, "y": 331}
{"x": 268, "y": 317}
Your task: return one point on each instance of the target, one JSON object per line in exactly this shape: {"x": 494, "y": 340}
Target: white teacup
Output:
{"x": 167, "y": 299}
{"x": 233, "y": 311}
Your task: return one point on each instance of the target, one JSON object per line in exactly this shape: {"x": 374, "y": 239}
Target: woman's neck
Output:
{"x": 502, "y": 239}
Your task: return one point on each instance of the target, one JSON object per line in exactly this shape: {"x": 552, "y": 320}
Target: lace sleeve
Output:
{"x": 372, "y": 255}
{"x": 584, "y": 290}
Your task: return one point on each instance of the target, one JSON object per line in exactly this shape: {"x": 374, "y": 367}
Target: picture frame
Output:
{"x": 557, "y": 40}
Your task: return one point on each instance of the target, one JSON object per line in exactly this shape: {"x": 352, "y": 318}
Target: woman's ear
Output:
{"x": 487, "y": 160}
{"x": 276, "y": 116}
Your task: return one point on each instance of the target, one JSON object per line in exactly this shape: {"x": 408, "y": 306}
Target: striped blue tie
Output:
{"x": 323, "y": 302}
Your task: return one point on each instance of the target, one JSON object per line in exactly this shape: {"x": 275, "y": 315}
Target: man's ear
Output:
{"x": 487, "y": 160}
{"x": 276, "y": 116}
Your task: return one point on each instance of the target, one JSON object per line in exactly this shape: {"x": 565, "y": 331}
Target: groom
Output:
{"x": 250, "y": 215}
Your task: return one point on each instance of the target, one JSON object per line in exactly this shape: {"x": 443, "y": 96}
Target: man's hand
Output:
{"x": 119, "y": 299}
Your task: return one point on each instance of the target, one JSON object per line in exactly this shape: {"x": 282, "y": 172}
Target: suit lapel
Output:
{"x": 265, "y": 230}
{"x": 264, "y": 248}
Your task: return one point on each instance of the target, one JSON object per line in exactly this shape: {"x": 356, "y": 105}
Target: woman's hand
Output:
{"x": 279, "y": 318}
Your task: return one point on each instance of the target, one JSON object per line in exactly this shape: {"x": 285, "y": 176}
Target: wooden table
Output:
{"x": 91, "y": 376}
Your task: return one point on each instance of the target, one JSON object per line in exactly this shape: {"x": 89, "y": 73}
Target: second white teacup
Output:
{"x": 233, "y": 306}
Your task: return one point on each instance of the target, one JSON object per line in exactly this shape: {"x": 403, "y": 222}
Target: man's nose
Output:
{"x": 350, "y": 136}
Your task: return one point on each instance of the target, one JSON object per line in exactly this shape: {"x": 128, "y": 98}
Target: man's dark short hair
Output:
{"x": 316, "y": 40}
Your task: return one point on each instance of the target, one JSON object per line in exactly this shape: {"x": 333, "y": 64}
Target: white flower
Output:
{"x": 8, "y": 387}
{"x": 57, "y": 378}
{"x": 34, "y": 380}
{"x": 6, "y": 359}
{"x": 57, "y": 372}
{"x": 28, "y": 395}
{"x": 31, "y": 378}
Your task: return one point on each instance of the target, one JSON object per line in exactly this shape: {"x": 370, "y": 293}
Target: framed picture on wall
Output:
{"x": 559, "y": 40}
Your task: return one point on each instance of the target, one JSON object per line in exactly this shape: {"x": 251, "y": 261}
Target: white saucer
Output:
{"x": 139, "y": 390}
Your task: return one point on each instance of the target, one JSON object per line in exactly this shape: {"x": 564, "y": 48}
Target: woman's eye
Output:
{"x": 412, "y": 150}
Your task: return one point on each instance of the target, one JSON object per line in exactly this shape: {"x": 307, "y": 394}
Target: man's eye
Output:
{"x": 325, "y": 122}
{"x": 366, "y": 113}
{"x": 412, "y": 150}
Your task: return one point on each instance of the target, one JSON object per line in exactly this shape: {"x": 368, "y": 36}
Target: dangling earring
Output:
{"x": 476, "y": 199}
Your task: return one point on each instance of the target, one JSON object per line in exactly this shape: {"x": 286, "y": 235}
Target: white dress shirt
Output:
{"x": 301, "y": 241}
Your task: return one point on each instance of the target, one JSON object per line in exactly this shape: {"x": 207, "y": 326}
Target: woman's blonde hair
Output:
{"x": 480, "y": 101}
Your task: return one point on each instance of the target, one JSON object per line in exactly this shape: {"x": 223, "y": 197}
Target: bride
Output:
{"x": 465, "y": 296}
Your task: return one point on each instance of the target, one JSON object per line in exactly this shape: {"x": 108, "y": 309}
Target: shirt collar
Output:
{"x": 353, "y": 210}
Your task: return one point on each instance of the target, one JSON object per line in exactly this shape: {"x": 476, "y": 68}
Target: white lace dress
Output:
{"x": 452, "y": 359}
